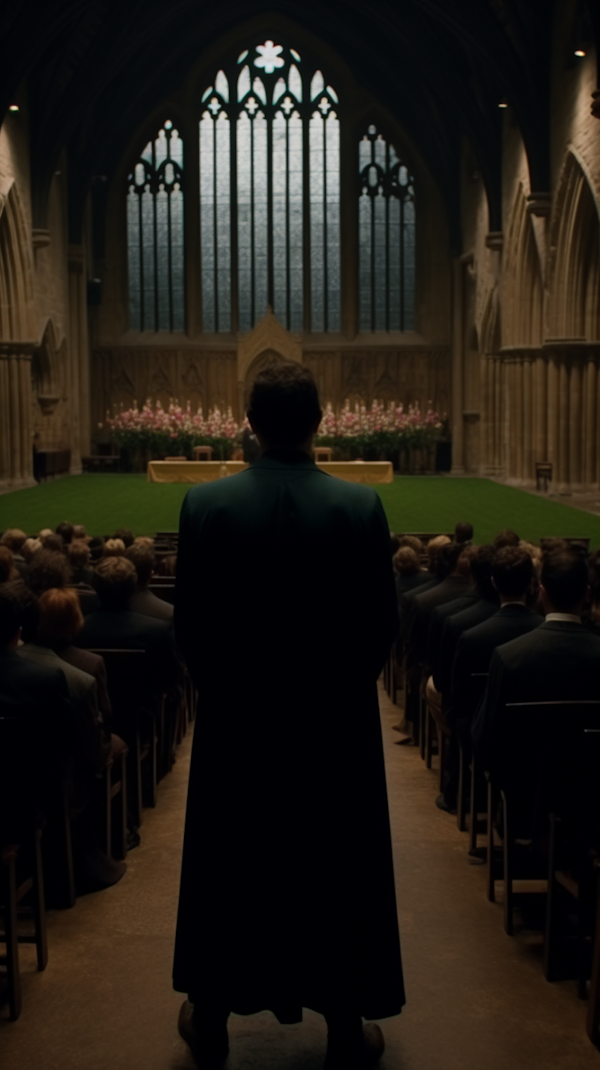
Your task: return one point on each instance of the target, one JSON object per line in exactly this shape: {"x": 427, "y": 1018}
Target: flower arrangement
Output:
{"x": 174, "y": 430}
{"x": 378, "y": 430}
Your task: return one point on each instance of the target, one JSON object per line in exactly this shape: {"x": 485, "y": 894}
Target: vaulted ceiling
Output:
{"x": 95, "y": 68}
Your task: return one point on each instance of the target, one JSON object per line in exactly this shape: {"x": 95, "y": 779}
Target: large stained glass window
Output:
{"x": 386, "y": 237}
{"x": 155, "y": 235}
{"x": 269, "y": 194}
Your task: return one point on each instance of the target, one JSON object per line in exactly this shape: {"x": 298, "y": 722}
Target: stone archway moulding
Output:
{"x": 268, "y": 338}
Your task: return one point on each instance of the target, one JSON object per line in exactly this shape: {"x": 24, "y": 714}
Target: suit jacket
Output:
{"x": 287, "y": 728}
{"x": 38, "y": 696}
{"x": 406, "y": 607}
{"x": 404, "y": 584}
{"x": 121, "y": 629}
{"x": 424, "y": 604}
{"x": 94, "y": 665}
{"x": 557, "y": 661}
{"x": 475, "y": 648}
{"x": 438, "y": 619}
{"x": 150, "y": 605}
{"x": 83, "y": 695}
{"x": 479, "y": 611}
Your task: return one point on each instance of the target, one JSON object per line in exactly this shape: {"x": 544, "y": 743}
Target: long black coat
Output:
{"x": 285, "y": 611}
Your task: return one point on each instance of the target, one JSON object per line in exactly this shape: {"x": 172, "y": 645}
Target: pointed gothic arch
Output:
{"x": 16, "y": 287}
{"x": 574, "y": 256}
{"x": 523, "y": 293}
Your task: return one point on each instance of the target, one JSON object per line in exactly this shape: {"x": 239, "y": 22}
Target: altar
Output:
{"x": 371, "y": 472}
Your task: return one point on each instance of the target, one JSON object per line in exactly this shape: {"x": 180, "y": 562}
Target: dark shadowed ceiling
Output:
{"x": 95, "y": 68}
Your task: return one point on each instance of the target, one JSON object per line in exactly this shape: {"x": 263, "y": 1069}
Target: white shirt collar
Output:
{"x": 572, "y": 617}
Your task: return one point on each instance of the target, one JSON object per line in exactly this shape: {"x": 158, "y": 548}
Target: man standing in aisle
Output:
{"x": 287, "y": 890}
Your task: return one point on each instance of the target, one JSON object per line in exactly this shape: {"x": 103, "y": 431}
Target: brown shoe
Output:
{"x": 209, "y": 1052}
{"x": 373, "y": 1047}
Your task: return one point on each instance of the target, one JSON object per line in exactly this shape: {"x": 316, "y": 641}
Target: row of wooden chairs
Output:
{"x": 571, "y": 879}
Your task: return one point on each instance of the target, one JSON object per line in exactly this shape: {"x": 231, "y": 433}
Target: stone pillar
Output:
{"x": 590, "y": 474}
{"x": 552, "y": 450}
{"x": 16, "y": 445}
{"x": 540, "y": 448}
{"x": 458, "y": 462}
{"x": 79, "y": 358}
{"x": 563, "y": 426}
{"x": 575, "y": 424}
{"x": 527, "y": 468}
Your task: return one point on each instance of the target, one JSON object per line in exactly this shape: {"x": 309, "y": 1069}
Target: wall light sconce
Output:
{"x": 13, "y": 107}
{"x": 503, "y": 103}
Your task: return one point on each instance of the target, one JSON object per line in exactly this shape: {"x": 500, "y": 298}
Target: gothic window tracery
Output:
{"x": 386, "y": 209}
{"x": 155, "y": 235}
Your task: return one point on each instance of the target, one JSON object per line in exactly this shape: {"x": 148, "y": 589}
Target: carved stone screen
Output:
{"x": 269, "y": 194}
{"x": 386, "y": 210}
{"x": 155, "y": 235}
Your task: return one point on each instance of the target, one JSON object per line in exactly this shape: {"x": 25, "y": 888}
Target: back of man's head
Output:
{"x": 115, "y": 581}
{"x": 512, "y": 571}
{"x": 54, "y": 543}
{"x": 125, "y": 535}
{"x": 10, "y": 614}
{"x": 433, "y": 548}
{"x": 27, "y": 608}
{"x": 284, "y": 404}
{"x": 14, "y": 539}
{"x": 143, "y": 560}
{"x": 65, "y": 530}
{"x": 463, "y": 532}
{"x": 414, "y": 542}
{"x": 47, "y": 569}
{"x": 406, "y": 561}
{"x": 481, "y": 570}
{"x": 506, "y": 538}
{"x": 565, "y": 580}
{"x": 78, "y": 553}
{"x": 447, "y": 559}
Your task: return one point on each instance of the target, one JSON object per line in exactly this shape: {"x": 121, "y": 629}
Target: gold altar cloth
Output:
{"x": 208, "y": 471}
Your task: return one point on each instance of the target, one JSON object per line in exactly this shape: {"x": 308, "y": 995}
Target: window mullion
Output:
{"x": 233, "y": 213}
{"x": 402, "y": 263}
{"x": 155, "y": 236}
{"x": 141, "y": 242}
{"x": 270, "y": 274}
{"x": 288, "y": 292}
{"x": 325, "y": 286}
{"x": 306, "y": 257}
{"x": 252, "y": 250}
{"x": 386, "y": 193}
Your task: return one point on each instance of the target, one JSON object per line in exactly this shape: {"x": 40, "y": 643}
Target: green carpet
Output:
{"x": 412, "y": 503}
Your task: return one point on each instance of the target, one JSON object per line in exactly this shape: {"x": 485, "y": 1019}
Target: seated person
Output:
{"x": 113, "y": 548}
{"x": 463, "y": 533}
{"x": 61, "y": 620}
{"x": 65, "y": 530}
{"x": 13, "y": 539}
{"x": 7, "y": 566}
{"x": 485, "y": 606}
{"x": 166, "y": 566}
{"x": 78, "y": 556}
{"x": 142, "y": 600}
{"x": 116, "y": 626}
{"x": 512, "y": 574}
{"x": 126, "y": 537}
{"x": 470, "y": 596}
{"x": 53, "y": 543}
{"x": 452, "y": 583}
{"x": 78, "y": 532}
{"x": 91, "y": 747}
{"x": 409, "y": 574}
{"x": 557, "y": 661}
{"x": 47, "y": 569}
{"x": 30, "y": 548}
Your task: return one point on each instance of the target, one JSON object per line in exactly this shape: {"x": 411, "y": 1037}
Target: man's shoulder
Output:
{"x": 31, "y": 673}
{"x": 320, "y": 487}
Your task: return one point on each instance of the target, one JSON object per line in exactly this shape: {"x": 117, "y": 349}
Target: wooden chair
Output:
{"x": 543, "y": 470}
{"x": 182, "y": 457}
{"x": 114, "y": 785}
{"x": 164, "y": 590}
{"x": 322, "y": 454}
{"x": 557, "y": 729}
{"x": 477, "y": 782}
{"x": 203, "y": 453}
{"x": 574, "y": 845}
{"x": 21, "y": 871}
{"x": 126, "y": 671}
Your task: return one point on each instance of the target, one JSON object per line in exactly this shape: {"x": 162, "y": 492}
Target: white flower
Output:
{"x": 269, "y": 57}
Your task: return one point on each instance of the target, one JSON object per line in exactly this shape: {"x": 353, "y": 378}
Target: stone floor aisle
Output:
{"x": 476, "y": 998}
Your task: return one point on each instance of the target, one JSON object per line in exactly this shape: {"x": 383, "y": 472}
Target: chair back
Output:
{"x": 166, "y": 591}
{"x": 24, "y": 767}
{"x": 126, "y": 676}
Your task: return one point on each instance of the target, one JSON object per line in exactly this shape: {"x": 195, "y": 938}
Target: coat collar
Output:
{"x": 285, "y": 457}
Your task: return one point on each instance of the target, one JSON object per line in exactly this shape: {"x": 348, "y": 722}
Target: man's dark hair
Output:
{"x": 48, "y": 569}
{"x": 506, "y": 538}
{"x": 65, "y": 530}
{"x": 406, "y": 561}
{"x": 53, "y": 543}
{"x": 447, "y": 558}
{"x": 463, "y": 532}
{"x": 482, "y": 563}
{"x": 26, "y": 610}
{"x": 565, "y": 577}
{"x": 10, "y": 613}
{"x": 551, "y": 545}
{"x": 96, "y": 546}
{"x": 115, "y": 581}
{"x": 125, "y": 535}
{"x": 512, "y": 571}
{"x": 284, "y": 404}
{"x": 144, "y": 561}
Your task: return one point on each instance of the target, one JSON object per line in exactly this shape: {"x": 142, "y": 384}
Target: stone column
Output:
{"x": 575, "y": 424}
{"x": 590, "y": 475}
{"x": 563, "y": 426}
{"x": 458, "y": 462}
{"x": 527, "y": 455}
{"x": 540, "y": 410}
{"x": 552, "y": 449}
{"x": 16, "y": 446}
{"x": 79, "y": 358}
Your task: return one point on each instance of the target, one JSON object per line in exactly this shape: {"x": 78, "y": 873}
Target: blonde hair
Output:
{"x": 31, "y": 547}
{"x": 114, "y": 548}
